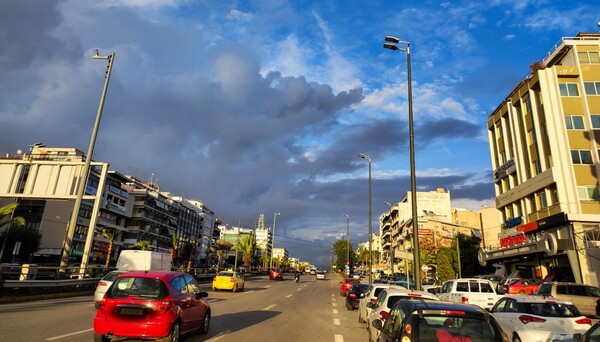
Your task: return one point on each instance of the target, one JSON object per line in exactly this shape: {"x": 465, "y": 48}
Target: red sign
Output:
{"x": 513, "y": 240}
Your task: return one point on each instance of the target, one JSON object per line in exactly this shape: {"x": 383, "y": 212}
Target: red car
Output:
{"x": 152, "y": 305}
{"x": 522, "y": 286}
{"x": 347, "y": 285}
{"x": 276, "y": 274}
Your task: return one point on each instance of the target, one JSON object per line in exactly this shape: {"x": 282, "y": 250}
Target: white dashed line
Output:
{"x": 336, "y": 321}
{"x": 269, "y": 307}
{"x": 338, "y": 338}
{"x": 335, "y": 312}
{"x": 67, "y": 335}
{"x": 334, "y": 304}
{"x": 288, "y": 296}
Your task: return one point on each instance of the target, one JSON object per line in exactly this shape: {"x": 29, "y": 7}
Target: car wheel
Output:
{"x": 360, "y": 319}
{"x": 100, "y": 338}
{"x": 215, "y": 289}
{"x": 234, "y": 288}
{"x": 516, "y": 338}
{"x": 205, "y": 324}
{"x": 174, "y": 335}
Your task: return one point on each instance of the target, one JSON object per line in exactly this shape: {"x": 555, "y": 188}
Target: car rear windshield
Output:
{"x": 225, "y": 274}
{"x": 545, "y": 290}
{"x": 144, "y": 288}
{"x": 393, "y": 299}
{"x": 352, "y": 281}
{"x": 551, "y": 309}
{"x": 451, "y": 327}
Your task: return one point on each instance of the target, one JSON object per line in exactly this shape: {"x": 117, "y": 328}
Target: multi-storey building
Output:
{"x": 280, "y": 253}
{"x": 545, "y": 151}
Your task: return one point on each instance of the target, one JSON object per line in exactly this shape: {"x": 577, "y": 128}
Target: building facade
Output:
{"x": 545, "y": 151}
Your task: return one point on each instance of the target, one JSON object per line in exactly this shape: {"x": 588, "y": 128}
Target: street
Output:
{"x": 267, "y": 310}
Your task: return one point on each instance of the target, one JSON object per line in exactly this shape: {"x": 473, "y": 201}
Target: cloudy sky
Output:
{"x": 262, "y": 106}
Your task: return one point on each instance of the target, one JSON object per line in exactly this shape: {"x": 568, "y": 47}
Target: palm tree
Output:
{"x": 220, "y": 246}
{"x": 174, "y": 244}
{"x": 247, "y": 245}
{"x": 110, "y": 234}
{"x": 143, "y": 245}
{"x": 6, "y": 212}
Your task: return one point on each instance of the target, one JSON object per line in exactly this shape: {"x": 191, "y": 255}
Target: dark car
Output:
{"x": 347, "y": 285}
{"x": 276, "y": 274}
{"x": 355, "y": 295}
{"x": 152, "y": 305}
{"x": 414, "y": 320}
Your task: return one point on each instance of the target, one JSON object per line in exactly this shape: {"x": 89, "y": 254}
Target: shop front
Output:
{"x": 540, "y": 249}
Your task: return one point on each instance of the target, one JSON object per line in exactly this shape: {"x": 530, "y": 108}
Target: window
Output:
{"x": 568, "y": 89}
{"x": 574, "y": 122}
{"x": 486, "y": 288}
{"x": 462, "y": 286}
{"x": 531, "y": 137}
{"x": 595, "y": 120}
{"x": 538, "y": 166}
{"x": 474, "y": 287}
{"x": 540, "y": 200}
{"x": 589, "y": 57}
{"x": 590, "y": 193}
{"x": 591, "y": 88}
{"x": 581, "y": 156}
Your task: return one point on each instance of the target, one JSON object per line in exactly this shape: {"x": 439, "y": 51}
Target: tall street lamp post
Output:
{"x": 392, "y": 44}
{"x": 273, "y": 239}
{"x": 368, "y": 158}
{"x": 68, "y": 242}
{"x": 348, "y": 241}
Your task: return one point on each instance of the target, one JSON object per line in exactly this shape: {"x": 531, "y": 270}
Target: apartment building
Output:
{"x": 545, "y": 151}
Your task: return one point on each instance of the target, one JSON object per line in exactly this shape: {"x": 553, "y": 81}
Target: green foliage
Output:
{"x": 5, "y": 213}
{"x": 340, "y": 249}
{"x": 144, "y": 245}
{"x": 445, "y": 269}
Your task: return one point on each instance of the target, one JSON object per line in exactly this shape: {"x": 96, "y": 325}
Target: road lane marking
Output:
{"x": 335, "y": 312}
{"x": 336, "y": 321}
{"x": 248, "y": 291}
{"x": 219, "y": 335}
{"x": 269, "y": 307}
{"x": 67, "y": 335}
{"x": 288, "y": 296}
{"x": 338, "y": 338}
{"x": 334, "y": 304}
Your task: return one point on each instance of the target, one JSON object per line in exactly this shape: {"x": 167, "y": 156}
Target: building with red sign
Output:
{"x": 545, "y": 151}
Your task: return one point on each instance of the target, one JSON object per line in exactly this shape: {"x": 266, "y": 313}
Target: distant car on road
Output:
{"x": 104, "y": 284}
{"x": 321, "y": 275}
{"x": 276, "y": 274}
{"x": 522, "y": 286}
{"x": 347, "y": 284}
{"x": 228, "y": 280}
{"x": 355, "y": 295}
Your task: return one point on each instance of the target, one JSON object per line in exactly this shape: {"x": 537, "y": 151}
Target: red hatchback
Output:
{"x": 151, "y": 305}
{"x": 347, "y": 285}
{"x": 276, "y": 274}
{"x": 522, "y": 286}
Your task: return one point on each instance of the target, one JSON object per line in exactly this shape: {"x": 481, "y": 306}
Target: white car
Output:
{"x": 385, "y": 301}
{"x": 537, "y": 318}
{"x": 480, "y": 292}
{"x": 370, "y": 296}
{"x": 321, "y": 275}
{"x": 104, "y": 284}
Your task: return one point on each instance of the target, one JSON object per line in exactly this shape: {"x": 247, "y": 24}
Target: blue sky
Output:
{"x": 262, "y": 106}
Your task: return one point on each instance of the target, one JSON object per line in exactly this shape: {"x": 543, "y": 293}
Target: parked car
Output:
{"x": 536, "y": 318}
{"x": 370, "y": 296}
{"x": 276, "y": 274}
{"x": 494, "y": 278}
{"x": 501, "y": 285}
{"x": 347, "y": 284}
{"x": 480, "y": 292}
{"x": 104, "y": 284}
{"x": 152, "y": 305}
{"x": 414, "y": 320}
{"x": 355, "y": 295}
{"x": 585, "y": 297}
{"x": 592, "y": 335}
{"x": 321, "y": 275}
{"x": 228, "y": 280}
{"x": 386, "y": 300}
{"x": 522, "y": 286}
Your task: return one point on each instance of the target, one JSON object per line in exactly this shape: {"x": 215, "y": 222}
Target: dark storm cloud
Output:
{"x": 448, "y": 128}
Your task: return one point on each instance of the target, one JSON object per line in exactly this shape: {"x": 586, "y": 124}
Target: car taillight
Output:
{"x": 166, "y": 303}
{"x": 531, "y": 319}
{"x": 584, "y": 321}
{"x": 102, "y": 283}
{"x": 414, "y": 295}
{"x": 465, "y": 299}
{"x": 408, "y": 329}
{"x": 383, "y": 314}
{"x": 352, "y": 296}
{"x": 215, "y": 278}
{"x": 452, "y": 312}
{"x": 231, "y": 280}
{"x": 373, "y": 300}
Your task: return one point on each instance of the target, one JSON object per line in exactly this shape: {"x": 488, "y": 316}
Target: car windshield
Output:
{"x": 225, "y": 274}
{"x": 450, "y": 327}
{"x": 146, "y": 288}
{"x": 594, "y": 291}
{"x": 551, "y": 309}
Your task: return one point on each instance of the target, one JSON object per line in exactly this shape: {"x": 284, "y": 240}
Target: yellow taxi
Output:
{"x": 228, "y": 280}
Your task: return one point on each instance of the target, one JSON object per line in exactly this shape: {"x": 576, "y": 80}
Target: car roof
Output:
{"x": 417, "y": 294}
{"x": 536, "y": 299}
{"x": 151, "y": 274}
{"x": 439, "y": 305}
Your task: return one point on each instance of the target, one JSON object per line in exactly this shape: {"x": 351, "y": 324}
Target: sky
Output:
{"x": 258, "y": 107}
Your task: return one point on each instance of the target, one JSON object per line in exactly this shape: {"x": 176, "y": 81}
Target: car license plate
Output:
{"x": 131, "y": 311}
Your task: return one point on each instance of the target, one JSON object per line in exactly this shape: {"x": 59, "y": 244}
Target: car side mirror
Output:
{"x": 377, "y": 324}
{"x": 578, "y": 337}
{"x": 202, "y": 294}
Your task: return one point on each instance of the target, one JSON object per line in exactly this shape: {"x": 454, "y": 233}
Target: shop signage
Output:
{"x": 504, "y": 170}
{"x": 513, "y": 240}
{"x": 512, "y": 251}
{"x": 515, "y": 221}
{"x": 422, "y": 231}
{"x": 552, "y": 221}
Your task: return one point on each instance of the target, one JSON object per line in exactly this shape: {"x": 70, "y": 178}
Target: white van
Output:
{"x": 480, "y": 292}
{"x": 137, "y": 260}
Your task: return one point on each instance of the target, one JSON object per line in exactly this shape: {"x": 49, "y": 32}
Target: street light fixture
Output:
{"x": 68, "y": 242}
{"x": 273, "y": 239}
{"x": 368, "y": 158}
{"x": 392, "y": 44}
{"x": 348, "y": 241}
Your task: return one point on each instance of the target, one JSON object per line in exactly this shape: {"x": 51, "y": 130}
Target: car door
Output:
{"x": 498, "y": 311}
{"x": 579, "y": 297}
{"x": 182, "y": 300}
{"x": 197, "y": 306}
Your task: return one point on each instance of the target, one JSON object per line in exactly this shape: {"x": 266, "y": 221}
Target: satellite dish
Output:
{"x": 19, "y": 152}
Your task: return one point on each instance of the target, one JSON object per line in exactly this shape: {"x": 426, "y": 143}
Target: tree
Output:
{"x": 174, "y": 245}
{"x": 110, "y": 234}
{"x": 220, "y": 246}
{"x": 189, "y": 249}
{"x": 340, "y": 249}
{"x": 6, "y": 220}
{"x": 246, "y": 245}
{"x": 143, "y": 245}
{"x": 445, "y": 270}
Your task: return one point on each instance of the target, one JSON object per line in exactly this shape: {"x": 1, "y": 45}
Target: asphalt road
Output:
{"x": 267, "y": 310}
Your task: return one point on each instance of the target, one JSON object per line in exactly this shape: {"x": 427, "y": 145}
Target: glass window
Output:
{"x": 462, "y": 286}
{"x": 474, "y": 286}
{"x": 540, "y": 200}
{"x": 486, "y": 288}
{"x": 574, "y": 122}
{"x": 561, "y": 289}
{"x": 592, "y": 88}
{"x": 588, "y": 192}
{"x": 595, "y": 120}
{"x": 179, "y": 284}
{"x": 581, "y": 156}
{"x": 577, "y": 291}
{"x": 588, "y": 57}
{"x": 500, "y": 305}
